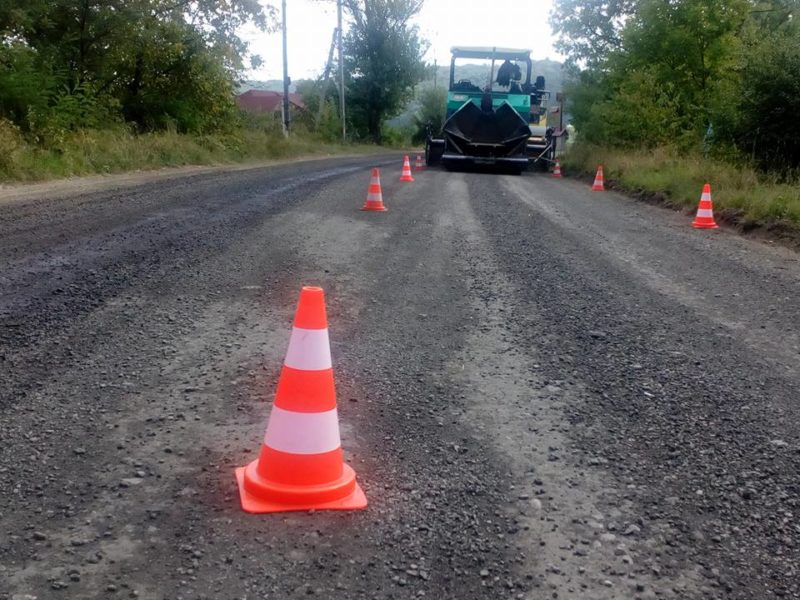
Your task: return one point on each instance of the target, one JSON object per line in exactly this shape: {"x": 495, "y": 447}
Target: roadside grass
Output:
{"x": 740, "y": 194}
{"x": 118, "y": 150}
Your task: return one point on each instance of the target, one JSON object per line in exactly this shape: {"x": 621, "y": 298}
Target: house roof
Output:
{"x": 267, "y": 101}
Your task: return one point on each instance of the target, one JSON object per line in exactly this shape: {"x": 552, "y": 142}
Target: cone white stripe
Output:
{"x": 705, "y": 196}
{"x": 374, "y": 197}
{"x": 302, "y": 433}
{"x": 705, "y": 212}
{"x": 309, "y": 350}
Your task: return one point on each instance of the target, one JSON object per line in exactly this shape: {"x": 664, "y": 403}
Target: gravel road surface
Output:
{"x": 545, "y": 392}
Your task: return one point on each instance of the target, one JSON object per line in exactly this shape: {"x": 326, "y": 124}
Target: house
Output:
{"x": 267, "y": 101}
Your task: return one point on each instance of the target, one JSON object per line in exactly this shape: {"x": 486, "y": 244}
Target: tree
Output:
{"x": 668, "y": 75}
{"x": 767, "y": 127}
{"x": 150, "y": 62}
{"x": 431, "y": 114}
{"x": 588, "y": 30}
{"x": 690, "y": 45}
{"x": 667, "y": 71}
{"x": 383, "y": 55}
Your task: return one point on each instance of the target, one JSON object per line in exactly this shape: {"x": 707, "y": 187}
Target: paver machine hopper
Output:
{"x": 488, "y": 124}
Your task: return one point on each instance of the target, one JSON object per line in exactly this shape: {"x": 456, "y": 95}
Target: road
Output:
{"x": 545, "y": 392}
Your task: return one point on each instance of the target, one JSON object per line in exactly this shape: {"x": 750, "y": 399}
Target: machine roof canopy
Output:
{"x": 490, "y": 52}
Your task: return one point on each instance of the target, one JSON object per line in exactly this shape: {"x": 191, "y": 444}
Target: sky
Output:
{"x": 444, "y": 23}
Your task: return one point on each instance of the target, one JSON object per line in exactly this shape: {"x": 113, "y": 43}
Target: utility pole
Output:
{"x": 326, "y": 75}
{"x": 285, "y": 76}
{"x": 341, "y": 68}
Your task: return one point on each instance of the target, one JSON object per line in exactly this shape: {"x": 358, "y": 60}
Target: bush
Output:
{"x": 10, "y": 142}
{"x": 769, "y": 127}
{"x": 395, "y": 137}
{"x": 71, "y": 110}
{"x": 431, "y": 114}
{"x": 25, "y": 87}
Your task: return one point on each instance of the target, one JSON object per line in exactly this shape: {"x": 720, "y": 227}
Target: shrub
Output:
{"x": 10, "y": 142}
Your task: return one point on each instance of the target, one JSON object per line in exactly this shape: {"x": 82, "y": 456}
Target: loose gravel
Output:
{"x": 545, "y": 393}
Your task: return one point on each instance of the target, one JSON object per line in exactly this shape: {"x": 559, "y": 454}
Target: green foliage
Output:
{"x": 71, "y": 64}
{"x": 589, "y": 30}
{"x": 113, "y": 150}
{"x": 585, "y": 92}
{"x": 70, "y": 110}
{"x": 718, "y": 74}
{"x": 690, "y": 46}
{"x": 739, "y": 192}
{"x": 768, "y": 124}
{"x": 25, "y": 84}
{"x": 383, "y": 55}
{"x": 325, "y": 121}
{"x": 10, "y": 142}
{"x": 643, "y": 112}
{"x": 328, "y": 124}
{"x": 431, "y": 114}
{"x": 396, "y": 137}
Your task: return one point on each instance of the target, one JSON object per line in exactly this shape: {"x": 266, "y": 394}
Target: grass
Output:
{"x": 740, "y": 194}
{"x": 117, "y": 150}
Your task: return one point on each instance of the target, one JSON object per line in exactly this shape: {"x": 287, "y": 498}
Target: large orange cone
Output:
{"x": 705, "y": 211}
{"x": 301, "y": 466}
{"x": 419, "y": 166}
{"x": 557, "y": 170}
{"x": 406, "y": 176}
{"x": 374, "y": 194}
{"x": 598, "y": 185}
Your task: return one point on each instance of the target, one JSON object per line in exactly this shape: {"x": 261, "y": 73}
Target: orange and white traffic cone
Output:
{"x": 406, "y": 176}
{"x": 705, "y": 211}
{"x": 557, "y": 170}
{"x": 598, "y": 185}
{"x": 300, "y": 466}
{"x": 419, "y": 166}
{"x": 374, "y": 194}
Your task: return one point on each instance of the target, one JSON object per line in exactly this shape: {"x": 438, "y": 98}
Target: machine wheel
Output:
{"x": 433, "y": 152}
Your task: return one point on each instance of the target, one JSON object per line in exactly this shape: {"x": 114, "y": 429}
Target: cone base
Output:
{"x": 372, "y": 209}
{"x": 406, "y": 179}
{"x": 705, "y": 225}
{"x": 307, "y": 497}
{"x": 557, "y": 175}
{"x": 598, "y": 189}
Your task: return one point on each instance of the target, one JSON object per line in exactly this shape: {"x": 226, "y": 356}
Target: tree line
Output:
{"x": 67, "y": 64}
{"x": 174, "y": 64}
{"x": 717, "y": 76}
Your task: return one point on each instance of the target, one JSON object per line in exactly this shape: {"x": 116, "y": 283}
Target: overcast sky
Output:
{"x": 444, "y": 23}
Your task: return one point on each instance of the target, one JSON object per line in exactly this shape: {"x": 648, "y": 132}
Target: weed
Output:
{"x": 738, "y": 189}
{"x": 115, "y": 150}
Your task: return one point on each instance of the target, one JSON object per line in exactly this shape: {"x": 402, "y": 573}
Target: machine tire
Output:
{"x": 433, "y": 155}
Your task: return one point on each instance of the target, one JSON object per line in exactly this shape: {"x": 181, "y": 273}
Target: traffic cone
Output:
{"x": 406, "y": 176}
{"x": 557, "y": 170}
{"x": 301, "y": 466}
{"x": 598, "y": 185}
{"x": 419, "y": 166}
{"x": 374, "y": 194}
{"x": 705, "y": 211}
